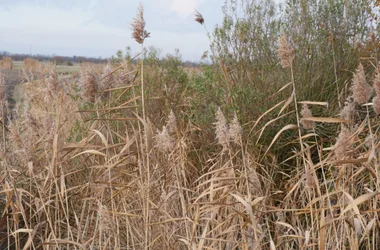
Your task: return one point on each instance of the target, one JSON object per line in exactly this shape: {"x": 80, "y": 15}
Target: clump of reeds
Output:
{"x": 31, "y": 64}
{"x": 6, "y": 63}
{"x": 88, "y": 85}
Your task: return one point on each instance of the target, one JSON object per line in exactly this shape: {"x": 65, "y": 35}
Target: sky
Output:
{"x": 98, "y": 28}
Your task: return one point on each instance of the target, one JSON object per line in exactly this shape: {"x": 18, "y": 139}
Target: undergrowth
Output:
{"x": 235, "y": 154}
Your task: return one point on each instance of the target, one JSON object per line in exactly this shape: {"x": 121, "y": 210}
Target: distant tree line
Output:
{"x": 59, "y": 60}
{"x": 152, "y": 56}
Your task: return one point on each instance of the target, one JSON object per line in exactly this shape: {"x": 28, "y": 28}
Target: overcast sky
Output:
{"x": 101, "y": 27}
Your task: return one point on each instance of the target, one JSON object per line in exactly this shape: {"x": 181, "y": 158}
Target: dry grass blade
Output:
{"x": 325, "y": 119}
{"x": 90, "y": 151}
{"x": 287, "y": 103}
{"x": 354, "y": 203}
{"x": 287, "y": 127}
{"x": 315, "y": 103}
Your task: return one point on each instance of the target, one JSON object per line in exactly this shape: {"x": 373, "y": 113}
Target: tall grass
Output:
{"x": 110, "y": 160}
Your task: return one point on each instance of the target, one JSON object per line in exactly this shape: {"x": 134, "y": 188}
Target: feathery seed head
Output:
{"x": 376, "y": 82}
{"x": 348, "y": 111}
{"x": 199, "y": 18}
{"x": 235, "y": 130}
{"x": 343, "y": 143}
{"x": 221, "y": 129}
{"x": 88, "y": 86}
{"x": 164, "y": 142}
{"x": 171, "y": 124}
{"x": 376, "y": 104}
{"x": 361, "y": 91}
{"x": 138, "y": 26}
{"x": 306, "y": 113}
{"x": 285, "y": 51}
{"x": 107, "y": 78}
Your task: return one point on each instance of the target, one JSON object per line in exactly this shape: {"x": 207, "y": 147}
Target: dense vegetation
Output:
{"x": 272, "y": 143}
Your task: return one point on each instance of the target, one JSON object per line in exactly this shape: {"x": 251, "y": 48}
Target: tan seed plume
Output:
{"x": 221, "y": 129}
{"x": 199, "y": 18}
{"x": 285, "y": 51}
{"x": 361, "y": 91}
{"x": 138, "y": 26}
{"x": 306, "y": 113}
{"x": 235, "y": 130}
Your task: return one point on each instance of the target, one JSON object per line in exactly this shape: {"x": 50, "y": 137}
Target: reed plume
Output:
{"x": 236, "y": 130}
{"x": 221, "y": 129}
{"x": 164, "y": 142}
{"x": 349, "y": 109}
{"x": 199, "y": 18}
{"x": 171, "y": 124}
{"x": 285, "y": 51}
{"x": 107, "y": 78}
{"x": 306, "y": 113}
{"x": 138, "y": 26}
{"x": 88, "y": 86}
{"x": 361, "y": 91}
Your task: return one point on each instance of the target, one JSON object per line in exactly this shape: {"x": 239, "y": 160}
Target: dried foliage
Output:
{"x": 80, "y": 175}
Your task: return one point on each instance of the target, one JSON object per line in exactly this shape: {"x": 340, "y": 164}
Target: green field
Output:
{"x": 61, "y": 69}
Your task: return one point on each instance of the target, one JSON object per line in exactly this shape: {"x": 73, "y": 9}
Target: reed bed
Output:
{"x": 86, "y": 164}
